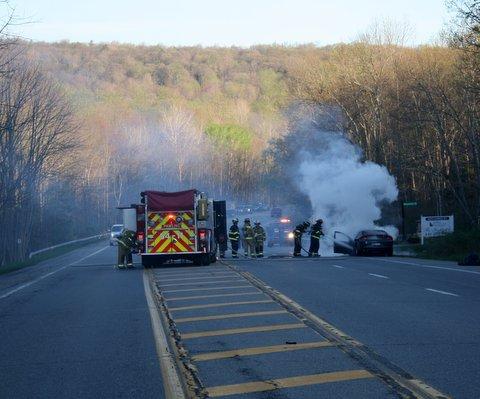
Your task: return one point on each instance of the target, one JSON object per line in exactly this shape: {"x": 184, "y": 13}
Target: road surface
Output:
{"x": 272, "y": 328}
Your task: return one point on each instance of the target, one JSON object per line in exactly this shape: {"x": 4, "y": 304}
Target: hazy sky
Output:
{"x": 222, "y": 22}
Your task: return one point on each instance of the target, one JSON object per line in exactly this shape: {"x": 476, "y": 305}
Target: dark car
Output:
{"x": 280, "y": 232}
{"x": 365, "y": 242}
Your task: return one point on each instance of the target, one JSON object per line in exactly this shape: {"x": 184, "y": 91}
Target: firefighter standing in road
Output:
{"x": 259, "y": 237}
{"x": 234, "y": 237}
{"x": 297, "y": 235}
{"x": 315, "y": 233}
{"x": 247, "y": 234}
{"x": 126, "y": 244}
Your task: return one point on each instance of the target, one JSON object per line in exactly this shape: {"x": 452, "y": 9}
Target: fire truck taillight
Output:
{"x": 202, "y": 235}
{"x": 140, "y": 236}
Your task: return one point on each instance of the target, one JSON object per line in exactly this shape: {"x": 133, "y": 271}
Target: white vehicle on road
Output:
{"x": 115, "y": 232}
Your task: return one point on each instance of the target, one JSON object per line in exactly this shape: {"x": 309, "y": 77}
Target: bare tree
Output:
{"x": 36, "y": 131}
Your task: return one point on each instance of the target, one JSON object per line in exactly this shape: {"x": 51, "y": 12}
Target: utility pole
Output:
{"x": 404, "y": 205}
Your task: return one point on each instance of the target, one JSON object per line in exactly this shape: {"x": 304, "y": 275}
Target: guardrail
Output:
{"x": 65, "y": 243}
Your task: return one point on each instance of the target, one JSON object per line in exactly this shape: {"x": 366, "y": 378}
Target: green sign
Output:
{"x": 410, "y": 204}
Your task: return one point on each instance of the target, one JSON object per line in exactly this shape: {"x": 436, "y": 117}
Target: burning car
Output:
{"x": 365, "y": 242}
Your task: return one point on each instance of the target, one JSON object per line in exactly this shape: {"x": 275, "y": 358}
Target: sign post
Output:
{"x": 434, "y": 226}
{"x": 404, "y": 205}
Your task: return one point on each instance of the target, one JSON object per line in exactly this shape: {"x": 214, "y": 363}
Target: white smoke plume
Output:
{"x": 346, "y": 192}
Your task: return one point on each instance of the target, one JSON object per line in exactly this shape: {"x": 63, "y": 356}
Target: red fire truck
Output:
{"x": 179, "y": 225}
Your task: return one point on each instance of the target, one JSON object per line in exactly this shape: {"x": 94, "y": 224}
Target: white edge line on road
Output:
{"x": 171, "y": 380}
{"x": 338, "y": 267}
{"x": 441, "y": 292}
{"x": 25, "y": 285}
{"x": 426, "y": 266}
{"x": 378, "y": 275}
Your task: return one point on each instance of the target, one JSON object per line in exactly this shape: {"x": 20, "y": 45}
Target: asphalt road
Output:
{"x": 83, "y": 329}
{"x": 424, "y": 316}
{"x": 82, "y": 332}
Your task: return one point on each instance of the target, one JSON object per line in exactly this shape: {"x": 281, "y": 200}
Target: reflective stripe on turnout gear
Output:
{"x": 234, "y": 234}
{"x": 259, "y": 233}
{"x": 123, "y": 244}
{"x": 247, "y": 232}
{"x": 127, "y": 239}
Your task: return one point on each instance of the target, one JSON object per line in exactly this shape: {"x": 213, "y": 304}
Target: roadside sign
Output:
{"x": 434, "y": 226}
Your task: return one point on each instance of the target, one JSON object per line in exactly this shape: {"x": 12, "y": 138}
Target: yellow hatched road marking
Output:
{"x": 188, "y": 273}
{"x": 215, "y": 305}
{"x": 192, "y": 271}
{"x": 202, "y": 278}
{"x": 233, "y": 280}
{"x": 260, "y": 350}
{"x": 234, "y": 287}
{"x": 231, "y": 331}
{"x": 290, "y": 382}
{"x": 229, "y": 316}
{"x": 214, "y": 296}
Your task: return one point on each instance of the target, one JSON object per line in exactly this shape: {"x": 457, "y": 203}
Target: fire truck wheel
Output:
{"x": 146, "y": 262}
{"x": 202, "y": 260}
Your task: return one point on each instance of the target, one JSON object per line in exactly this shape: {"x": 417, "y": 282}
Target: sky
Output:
{"x": 222, "y": 22}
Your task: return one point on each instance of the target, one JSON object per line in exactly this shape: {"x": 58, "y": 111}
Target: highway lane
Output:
{"x": 422, "y": 315}
{"x": 82, "y": 332}
{"x": 85, "y": 331}
{"x": 243, "y": 344}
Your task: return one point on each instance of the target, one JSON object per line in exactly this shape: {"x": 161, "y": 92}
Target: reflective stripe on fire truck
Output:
{"x": 164, "y": 239}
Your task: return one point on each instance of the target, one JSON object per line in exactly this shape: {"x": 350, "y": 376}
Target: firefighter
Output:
{"x": 247, "y": 234}
{"x": 259, "y": 237}
{"x": 297, "y": 235}
{"x": 315, "y": 233}
{"x": 234, "y": 237}
{"x": 126, "y": 244}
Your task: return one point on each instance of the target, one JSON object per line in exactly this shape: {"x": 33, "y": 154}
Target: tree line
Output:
{"x": 415, "y": 110}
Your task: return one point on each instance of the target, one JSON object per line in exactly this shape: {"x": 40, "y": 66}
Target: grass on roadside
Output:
{"x": 44, "y": 256}
{"x": 453, "y": 247}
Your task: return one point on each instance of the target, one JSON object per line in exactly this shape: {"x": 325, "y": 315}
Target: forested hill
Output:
{"x": 228, "y": 105}
{"x": 221, "y": 85}
{"x": 119, "y": 118}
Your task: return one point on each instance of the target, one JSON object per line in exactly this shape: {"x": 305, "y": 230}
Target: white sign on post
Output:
{"x": 434, "y": 226}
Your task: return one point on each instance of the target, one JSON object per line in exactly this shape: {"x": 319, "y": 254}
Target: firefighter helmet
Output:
{"x": 247, "y": 220}
{"x": 306, "y": 224}
{"x": 319, "y": 221}
{"x": 235, "y": 221}
{"x": 257, "y": 223}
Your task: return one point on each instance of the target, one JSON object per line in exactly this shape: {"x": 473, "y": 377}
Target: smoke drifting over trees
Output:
{"x": 345, "y": 191}
{"x": 85, "y": 128}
